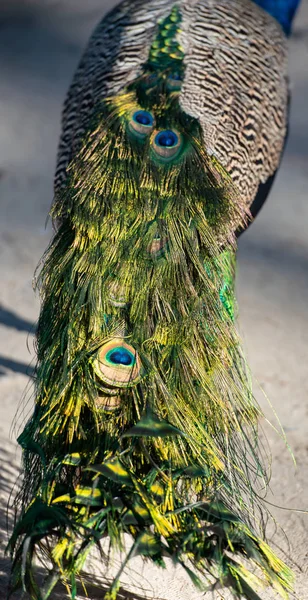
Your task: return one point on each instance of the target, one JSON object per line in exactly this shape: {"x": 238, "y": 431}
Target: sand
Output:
{"x": 41, "y": 43}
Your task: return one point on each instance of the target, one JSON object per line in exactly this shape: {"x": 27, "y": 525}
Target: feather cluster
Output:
{"x": 144, "y": 422}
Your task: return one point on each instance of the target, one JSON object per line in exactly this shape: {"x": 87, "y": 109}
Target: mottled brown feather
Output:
{"x": 235, "y": 80}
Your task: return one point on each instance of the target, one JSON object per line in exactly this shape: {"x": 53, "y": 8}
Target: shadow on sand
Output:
{"x": 15, "y": 366}
{"x": 12, "y": 320}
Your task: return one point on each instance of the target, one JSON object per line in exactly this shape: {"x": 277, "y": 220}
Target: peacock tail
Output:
{"x": 144, "y": 421}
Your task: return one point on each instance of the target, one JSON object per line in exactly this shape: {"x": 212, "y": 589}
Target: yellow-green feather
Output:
{"x": 173, "y": 463}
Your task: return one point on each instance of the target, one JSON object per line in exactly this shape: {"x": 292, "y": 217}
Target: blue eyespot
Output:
{"x": 121, "y": 356}
{"x": 117, "y": 365}
{"x": 166, "y": 139}
{"x": 142, "y": 122}
{"x": 143, "y": 118}
{"x": 167, "y": 143}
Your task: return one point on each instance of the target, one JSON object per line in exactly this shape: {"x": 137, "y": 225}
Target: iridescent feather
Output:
{"x": 144, "y": 421}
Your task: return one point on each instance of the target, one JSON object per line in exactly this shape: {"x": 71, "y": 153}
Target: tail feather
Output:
{"x": 145, "y": 423}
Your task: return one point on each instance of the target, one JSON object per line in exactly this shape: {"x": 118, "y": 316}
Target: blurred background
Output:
{"x": 41, "y": 42}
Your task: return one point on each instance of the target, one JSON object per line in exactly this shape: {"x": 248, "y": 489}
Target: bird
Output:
{"x": 144, "y": 423}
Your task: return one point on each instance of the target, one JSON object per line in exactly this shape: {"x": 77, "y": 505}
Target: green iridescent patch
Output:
{"x": 166, "y": 52}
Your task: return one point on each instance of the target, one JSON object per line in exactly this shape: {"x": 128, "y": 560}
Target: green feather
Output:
{"x": 143, "y": 264}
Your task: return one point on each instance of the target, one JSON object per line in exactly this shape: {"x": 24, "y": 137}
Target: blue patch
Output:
{"x": 282, "y": 10}
{"x": 166, "y": 139}
{"x": 120, "y": 356}
{"x": 143, "y": 118}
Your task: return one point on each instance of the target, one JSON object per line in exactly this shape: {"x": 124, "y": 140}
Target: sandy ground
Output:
{"x": 41, "y": 41}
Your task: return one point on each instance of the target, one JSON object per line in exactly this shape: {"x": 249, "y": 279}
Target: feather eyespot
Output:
{"x": 108, "y": 403}
{"x": 142, "y": 122}
{"x": 158, "y": 245}
{"x": 117, "y": 295}
{"x": 167, "y": 143}
{"x": 117, "y": 364}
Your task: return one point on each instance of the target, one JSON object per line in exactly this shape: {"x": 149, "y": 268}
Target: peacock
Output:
{"x": 145, "y": 425}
